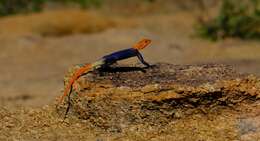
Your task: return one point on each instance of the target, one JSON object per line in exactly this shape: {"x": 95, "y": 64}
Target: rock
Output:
{"x": 118, "y": 97}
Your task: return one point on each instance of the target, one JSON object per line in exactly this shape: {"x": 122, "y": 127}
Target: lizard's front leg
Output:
{"x": 140, "y": 57}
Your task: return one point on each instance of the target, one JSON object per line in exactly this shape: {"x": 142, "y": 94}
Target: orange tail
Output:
{"x": 75, "y": 76}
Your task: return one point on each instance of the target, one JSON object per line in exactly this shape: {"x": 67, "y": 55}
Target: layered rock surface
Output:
{"x": 121, "y": 97}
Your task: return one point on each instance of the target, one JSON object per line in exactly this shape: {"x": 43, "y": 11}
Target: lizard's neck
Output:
{"x": 98, "y": 63}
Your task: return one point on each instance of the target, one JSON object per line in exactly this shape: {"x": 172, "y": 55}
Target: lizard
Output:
{"x": 105, "y": 61}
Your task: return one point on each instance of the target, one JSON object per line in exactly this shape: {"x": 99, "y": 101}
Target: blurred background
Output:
{"x": 41, "y": 39}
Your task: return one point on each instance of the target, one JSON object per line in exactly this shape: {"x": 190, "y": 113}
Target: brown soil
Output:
{"x": 44, "y": 124}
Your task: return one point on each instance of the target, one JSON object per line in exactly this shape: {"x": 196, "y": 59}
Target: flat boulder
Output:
{"x": 118, "y": 97}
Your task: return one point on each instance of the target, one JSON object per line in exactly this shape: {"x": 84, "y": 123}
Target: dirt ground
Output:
{"x": 37, "y": 50}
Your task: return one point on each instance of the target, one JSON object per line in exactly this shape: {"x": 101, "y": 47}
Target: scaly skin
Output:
{"x": 106, "y": 60}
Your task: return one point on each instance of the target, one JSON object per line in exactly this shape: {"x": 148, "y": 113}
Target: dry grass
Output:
{"x": 56, "y": 23}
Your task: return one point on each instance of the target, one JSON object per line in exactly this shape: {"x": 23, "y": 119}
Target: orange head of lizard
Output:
{"x": 142, "y": 44}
